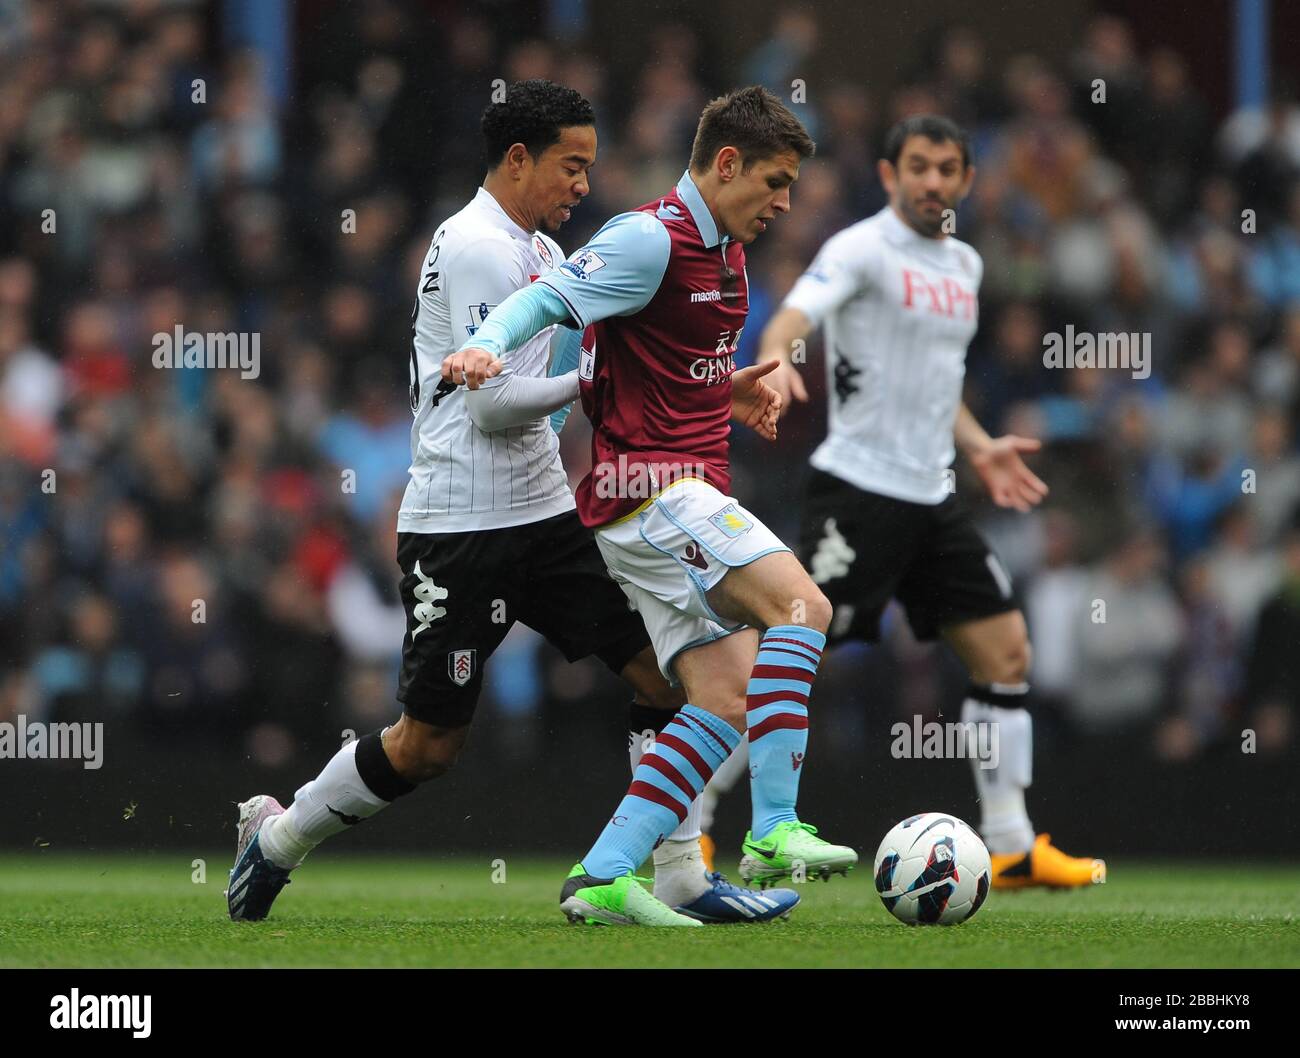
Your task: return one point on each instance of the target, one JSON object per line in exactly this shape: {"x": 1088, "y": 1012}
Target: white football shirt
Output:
{"x": 899, "y": 311}
{"x": 462, "y": 478}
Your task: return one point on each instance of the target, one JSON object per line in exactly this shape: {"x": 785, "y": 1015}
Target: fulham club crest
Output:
{"x": 460, "y": 666}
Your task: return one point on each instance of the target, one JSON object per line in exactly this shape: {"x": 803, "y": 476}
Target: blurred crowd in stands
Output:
{"x": 150, "y": 177}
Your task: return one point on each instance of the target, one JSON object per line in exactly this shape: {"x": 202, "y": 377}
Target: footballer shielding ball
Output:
{"x": 932, "y": 869}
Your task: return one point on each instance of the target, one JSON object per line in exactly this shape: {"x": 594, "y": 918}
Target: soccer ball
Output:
{"x": 932, "y": 869}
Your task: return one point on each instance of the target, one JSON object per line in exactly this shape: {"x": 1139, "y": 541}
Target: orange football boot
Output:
{"x": 1045, "y": 865}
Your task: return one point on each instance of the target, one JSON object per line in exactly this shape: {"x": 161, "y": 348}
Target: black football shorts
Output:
{"x": 862, "y": 549}
{"x": 463, "y": 592}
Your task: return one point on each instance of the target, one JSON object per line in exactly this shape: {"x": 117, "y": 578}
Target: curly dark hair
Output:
{"x": 533, "y": 114}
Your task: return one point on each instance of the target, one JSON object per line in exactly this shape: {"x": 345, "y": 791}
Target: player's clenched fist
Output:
{"x": 470, "y": 366}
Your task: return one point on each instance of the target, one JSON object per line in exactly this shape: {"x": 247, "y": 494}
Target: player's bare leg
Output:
{"x": 419, "y": 751}
{"x": 996, "y": 653}
{"x": 770, "y": 591}
{"x": 775, "y": 593}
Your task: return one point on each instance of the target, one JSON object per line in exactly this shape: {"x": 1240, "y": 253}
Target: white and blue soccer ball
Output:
{"x": 932, "y": 869}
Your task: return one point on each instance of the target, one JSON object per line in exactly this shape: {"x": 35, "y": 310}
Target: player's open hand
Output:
{"x": 785, "y": 379}
{"x": 470, "y": 366}
{"x": 1008, "y": 480}
{"x": 753, "y": 402}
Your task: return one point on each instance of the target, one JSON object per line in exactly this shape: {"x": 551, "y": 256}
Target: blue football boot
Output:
{"x": 724, "y": 902}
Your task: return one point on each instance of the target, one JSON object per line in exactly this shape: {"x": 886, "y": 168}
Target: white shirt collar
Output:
{"x": 487, "y": 200}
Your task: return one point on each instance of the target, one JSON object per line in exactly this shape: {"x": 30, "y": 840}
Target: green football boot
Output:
{"x": 615, "y": 902}
{"x": 793, "y": 849}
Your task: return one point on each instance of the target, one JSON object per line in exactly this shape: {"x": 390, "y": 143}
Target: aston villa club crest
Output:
{"x": 731, "y": 521}
{"x": 460, "y": 666}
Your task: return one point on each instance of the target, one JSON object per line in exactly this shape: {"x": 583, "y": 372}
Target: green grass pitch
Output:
{"x": 366, "y": 910}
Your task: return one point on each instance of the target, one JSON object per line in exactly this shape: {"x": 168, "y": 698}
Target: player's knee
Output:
{"x": 814, "y": 610}
{"x": 805, "y": 606}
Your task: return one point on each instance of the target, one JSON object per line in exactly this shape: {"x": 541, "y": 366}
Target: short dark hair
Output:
{"x": 533, "y": 113}
{"x": 934, "y": 128}
{"x": 753, "y": 121}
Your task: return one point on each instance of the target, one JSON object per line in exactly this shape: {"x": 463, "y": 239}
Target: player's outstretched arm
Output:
{"x": 616, "y": 273}
{"x": 839, "y": 272}
{"x": 998, "y": 462}
{"x": 521, "y": 317}
{"x": 777, "y": 345}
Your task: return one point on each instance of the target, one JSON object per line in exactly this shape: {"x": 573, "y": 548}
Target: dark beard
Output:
{"x": 923, "y": 225}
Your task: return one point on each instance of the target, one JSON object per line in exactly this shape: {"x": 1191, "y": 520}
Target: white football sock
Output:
{"x": 287, "y": 838}
{"x": 679, "y": 870}
{"x": 1004, "y": 820}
